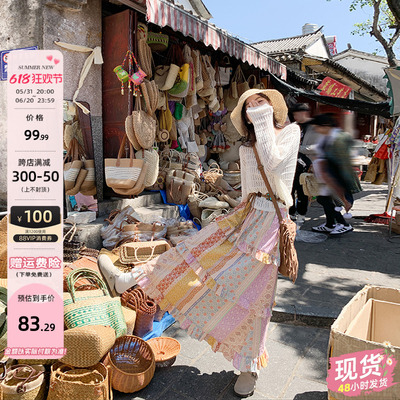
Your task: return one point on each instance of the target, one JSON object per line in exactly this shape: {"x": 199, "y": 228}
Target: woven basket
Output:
{"x": 3, "y": 247}
{"x": 145, "y": 309}
{"x": 214, "y": 174}
{"x": 141, "y": 252}
{"x": 165, "y": 350}
{"x": 130, "y": 319}
{"x": 71, "y": 246}
{"x": 69, "y": 383}
{"x": 132, "y": 364}
{"x": 19, "y": 385}
{"x": 87, "y": 345}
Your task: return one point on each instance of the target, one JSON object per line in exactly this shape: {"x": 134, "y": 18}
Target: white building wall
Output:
{"x": 318, "y": 49}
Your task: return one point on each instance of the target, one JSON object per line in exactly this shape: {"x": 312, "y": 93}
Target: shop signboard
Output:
{"x": 331, "y": 87}
{"x": 4, "y": 61}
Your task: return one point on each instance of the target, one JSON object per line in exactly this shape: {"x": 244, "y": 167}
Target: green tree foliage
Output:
{"x": 384, "y": 25}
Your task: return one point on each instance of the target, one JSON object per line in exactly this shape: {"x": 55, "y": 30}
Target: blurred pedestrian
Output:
{"x": 307, "y": 151}
{"x": 333, "y": 168}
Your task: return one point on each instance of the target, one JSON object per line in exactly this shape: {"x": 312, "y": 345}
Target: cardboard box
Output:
{"x": 378, "y": 321}
{"x": 371, "y": 317}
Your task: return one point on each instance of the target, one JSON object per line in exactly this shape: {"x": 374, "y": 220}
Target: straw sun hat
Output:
{"x": 277, "y": 101}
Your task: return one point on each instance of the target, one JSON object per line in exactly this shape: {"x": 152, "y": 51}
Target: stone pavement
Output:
{"x": 330, "y": 274}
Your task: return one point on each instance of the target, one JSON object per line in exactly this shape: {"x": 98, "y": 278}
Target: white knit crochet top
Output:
{"x": 278, "y": 155}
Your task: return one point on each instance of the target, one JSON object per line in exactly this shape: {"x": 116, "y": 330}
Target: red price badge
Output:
{"x": 35, "y": 203}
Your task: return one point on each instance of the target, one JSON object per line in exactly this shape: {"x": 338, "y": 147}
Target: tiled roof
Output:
{"x": 288, "y": 44}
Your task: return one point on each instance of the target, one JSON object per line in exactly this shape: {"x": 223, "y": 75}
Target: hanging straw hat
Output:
{"x": 277, "y": 101}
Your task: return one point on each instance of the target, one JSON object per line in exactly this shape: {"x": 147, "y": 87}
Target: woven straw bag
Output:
{"x": 145, "y": 57}
{"x": 87, "y": 345}
{"x": 91, "y": 307}
{"x": 143, "y": 232}
{"x": 193, "y": 203}
{"x": 136, "y": 299}
{"x": 214, "y": 174}
{"x": 72, "y": 165}
{"x": 142, "y": 252}
{"x": 123, "y": 173}
{"x": 3, "y": 247}
{"x": 132, "y": 363}
{"x": 69, "y": 383}
{"x": 24, "y": 382}
{"x": 71, "y": 246}
{"x": 151, "y": 158}
{"x": 311, "y": 186}
{"x": 144, "y": 126}
{"x": 130, "y": 319}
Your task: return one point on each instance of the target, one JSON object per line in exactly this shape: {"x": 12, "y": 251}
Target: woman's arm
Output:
{"x": 273, "y": 153}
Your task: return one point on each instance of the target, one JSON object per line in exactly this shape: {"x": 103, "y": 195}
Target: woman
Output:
{"x": 220, "y": 283}
{"x": 334, "y": 170}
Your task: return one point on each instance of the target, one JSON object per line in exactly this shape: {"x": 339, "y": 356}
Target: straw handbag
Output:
{"x": 87, "y": 345}
{"x": 93, "y": 307}
{"x": 132, "y": 364}
{"x": 24, "y": 382}
{"x": 136, "y": 299}
{"x": 3, "y": 247}
{"x": 144, "y": 126}
{"x": 142, "y": 252}
{"x": 69, "y": 383}
{"x": 71, "y": 246}
{"x": 214, "y": 174}
{"x": 130, "y": 319}
{"x": 142, "y": 231}
{"x": 152, "y": 159}
{"x": 311, "y": 186}
{"x": 123, "y": 173}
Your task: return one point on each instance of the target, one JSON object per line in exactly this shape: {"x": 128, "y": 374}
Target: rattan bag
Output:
{"x": 69, "y": 383}
{"x": 87, "y": 345}
{"x": 24, "y": 382}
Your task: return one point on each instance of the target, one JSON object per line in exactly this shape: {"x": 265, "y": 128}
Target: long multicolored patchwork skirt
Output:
{"x": 220, "y": 284}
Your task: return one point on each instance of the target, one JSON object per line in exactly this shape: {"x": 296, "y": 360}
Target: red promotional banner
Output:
{"x": 332, "y": 88}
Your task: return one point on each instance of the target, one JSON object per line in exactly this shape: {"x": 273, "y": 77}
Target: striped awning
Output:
{"x": 163, "y": 13}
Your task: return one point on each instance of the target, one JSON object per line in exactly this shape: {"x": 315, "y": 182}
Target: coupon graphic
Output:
{"x": 35, "y": 204}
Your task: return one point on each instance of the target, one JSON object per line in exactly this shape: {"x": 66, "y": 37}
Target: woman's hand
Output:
{"x": 254, "y": 104}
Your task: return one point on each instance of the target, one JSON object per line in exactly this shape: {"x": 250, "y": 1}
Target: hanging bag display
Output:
{"x": 289, "y": 263}
{"x": 157, "y": 41}
{"x": 72, "y": 166}
{"x": 144, "y": 125}
{"x": 93, "y": 307}
{"x": 123, "y": 173}
{"x": 224, "y": 71}
{"x": 242, "y": 84}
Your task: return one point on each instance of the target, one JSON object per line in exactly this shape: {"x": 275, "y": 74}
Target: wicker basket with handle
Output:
{"x": 90, "y": 383}
{"x": 145, "y": 308}
{"x": 24, "y": 382}
{"x": 132, "y": 363}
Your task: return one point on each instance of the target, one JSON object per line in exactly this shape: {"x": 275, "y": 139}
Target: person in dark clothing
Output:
{"x": 308, "y": 142}
{"x": 333, "y": 168}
